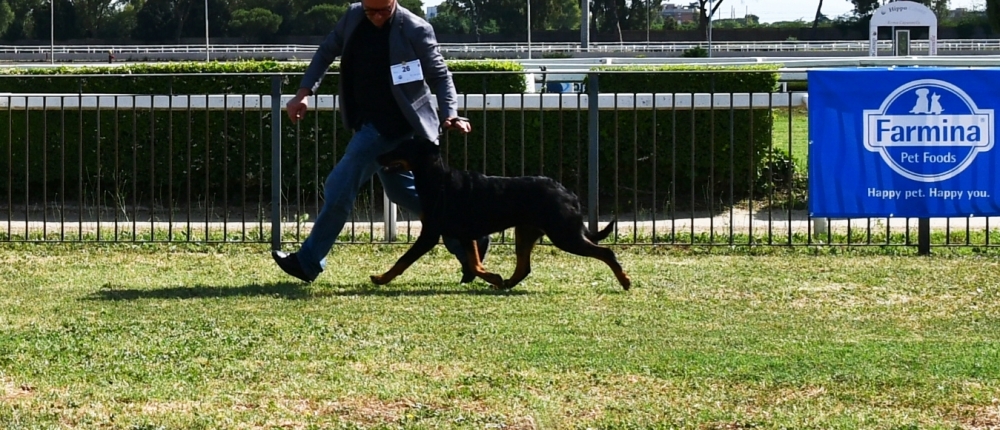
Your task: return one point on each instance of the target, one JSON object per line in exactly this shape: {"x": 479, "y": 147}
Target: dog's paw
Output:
{"x": 509, "y": 283}
{"x": 625, "y": 281}
{"x": 494, "y": 279}
{"x": 379, "y": 280}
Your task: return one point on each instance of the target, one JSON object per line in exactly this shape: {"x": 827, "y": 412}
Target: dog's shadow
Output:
{"x": 297, "y": 291}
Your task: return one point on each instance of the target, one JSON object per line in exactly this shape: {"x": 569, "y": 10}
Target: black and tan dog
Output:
{"x": 469, "y": 205}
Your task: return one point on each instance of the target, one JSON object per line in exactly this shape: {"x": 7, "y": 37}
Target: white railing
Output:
{"x": 473, "y": 102}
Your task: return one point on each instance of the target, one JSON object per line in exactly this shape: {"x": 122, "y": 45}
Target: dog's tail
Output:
{"x": 603, "y": 234}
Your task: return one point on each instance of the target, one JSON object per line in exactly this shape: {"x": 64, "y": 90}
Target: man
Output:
{"x": 389, "y": 65}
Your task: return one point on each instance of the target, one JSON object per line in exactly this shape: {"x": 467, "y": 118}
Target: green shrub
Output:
{"x": 706, "y": 156}
{"x": 144, "y": 155}
{"x": 798, "y": 86}
{"x": 695, "y": 52}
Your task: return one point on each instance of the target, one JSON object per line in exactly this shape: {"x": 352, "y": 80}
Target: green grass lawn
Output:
{"x": 791, "y": 133}
{"x": 149, "y": 337}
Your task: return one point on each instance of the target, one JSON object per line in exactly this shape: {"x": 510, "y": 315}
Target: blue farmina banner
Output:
{"x": 903, "y": 142}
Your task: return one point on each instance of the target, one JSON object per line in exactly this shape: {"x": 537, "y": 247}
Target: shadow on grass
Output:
{"x": 297, "y": 291}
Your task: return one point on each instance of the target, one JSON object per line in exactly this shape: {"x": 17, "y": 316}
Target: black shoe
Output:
{"x": 483, "y": 245}
{"x": 290, "y": 264}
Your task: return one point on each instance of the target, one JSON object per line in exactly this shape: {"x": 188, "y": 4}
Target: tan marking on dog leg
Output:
{"x": 623, "y": 278}
{"x": 387, "y": 277}
{"x": 472, "y": 254}
{"x": 423, "y": 244}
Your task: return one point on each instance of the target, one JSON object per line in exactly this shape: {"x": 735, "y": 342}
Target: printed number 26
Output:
{"x": 406, "y": 68}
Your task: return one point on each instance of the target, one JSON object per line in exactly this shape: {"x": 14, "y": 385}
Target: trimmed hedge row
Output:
{"x": 170, "y": 156}
{"x": 182, "y": 155}
{"x": 698, "y": 156}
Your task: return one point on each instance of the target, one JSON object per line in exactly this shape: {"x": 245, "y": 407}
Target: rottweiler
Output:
{"x": 468, "y": 205}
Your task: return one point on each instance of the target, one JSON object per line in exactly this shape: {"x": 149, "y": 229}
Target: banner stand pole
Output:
{"x": 924, "y": 236}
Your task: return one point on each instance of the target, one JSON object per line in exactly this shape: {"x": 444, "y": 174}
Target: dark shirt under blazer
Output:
{"x": 368, "y": 81}
{"x": 410, "y": 38}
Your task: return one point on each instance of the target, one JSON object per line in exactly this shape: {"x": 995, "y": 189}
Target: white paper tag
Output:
{"x": 409, "y": 71}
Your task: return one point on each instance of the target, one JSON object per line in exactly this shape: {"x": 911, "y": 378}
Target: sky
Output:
{"x": 791, "y": 10}
{"x": 786, "y": 10}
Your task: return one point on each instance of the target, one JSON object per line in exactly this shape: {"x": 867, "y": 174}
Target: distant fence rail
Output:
{"x": 475, "y": 102}
{"x": 75, "y": 162}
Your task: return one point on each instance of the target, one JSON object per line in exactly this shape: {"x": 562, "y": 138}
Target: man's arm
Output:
{"x": 435, "y": 71}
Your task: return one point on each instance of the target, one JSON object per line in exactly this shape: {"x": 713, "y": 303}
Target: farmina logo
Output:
{"x": 928, "y": 130}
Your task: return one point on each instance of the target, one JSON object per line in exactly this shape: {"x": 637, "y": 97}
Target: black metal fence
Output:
{"x": 673, "y": 168}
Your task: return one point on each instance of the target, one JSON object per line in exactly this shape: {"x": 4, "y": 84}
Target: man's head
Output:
{"x": 379, "y": 11}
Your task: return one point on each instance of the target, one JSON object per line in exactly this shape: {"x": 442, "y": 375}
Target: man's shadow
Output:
{"x": 298, "y": 291}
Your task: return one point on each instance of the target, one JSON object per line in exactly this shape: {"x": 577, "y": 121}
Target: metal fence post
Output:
{"x": 276, "y": 162}
{"x": 389, "y": 218}
{"x": 924, "y": 236}
{"x": 592, "y": 153}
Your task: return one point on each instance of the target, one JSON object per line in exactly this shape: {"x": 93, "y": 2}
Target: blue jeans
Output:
{"x": 353, "y": 170}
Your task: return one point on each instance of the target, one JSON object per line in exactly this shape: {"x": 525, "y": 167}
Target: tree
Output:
{"x": 120, "y": 24}
{"x": 66, "y": 21}
{"x": 6, "y": 16}
{"x": 993, "y": 14}
{"x": 798, "y": 23}
{"x": 616, "y": 15}
{"x": 321, "y": 18}
{"x": 819, "y": 13}
{"x": 23, "y": 25}
{"x": 605, "y": 16}
{"x": 415, "y": 6}
{"x": 256, "y": 22}
{"x": 557, "y": 15}
{"x": 448, "y": 22}
{"x": 91, "y": 15}
{"x": 864, "y": 8}
{"x": 704, "y": 13}
{"x": 511, "y": 15}
{"x": 940, "y": 8}
{"x": 162, "y": 20}
{"x": 218, "y": 19}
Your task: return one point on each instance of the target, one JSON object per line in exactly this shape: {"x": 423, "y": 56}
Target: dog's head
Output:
{"x": 411, "y": 154}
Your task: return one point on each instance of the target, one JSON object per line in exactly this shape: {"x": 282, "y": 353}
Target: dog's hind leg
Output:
{"x": 424, "y": 243}
{"x": 525, "y": 238}
{"x": 576, "y": 243}
{"x": 476, "y": 265}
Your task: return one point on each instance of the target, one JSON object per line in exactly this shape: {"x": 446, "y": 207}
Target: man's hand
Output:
{"x": 458, "y": 123}
{"x": 298, "y": 105}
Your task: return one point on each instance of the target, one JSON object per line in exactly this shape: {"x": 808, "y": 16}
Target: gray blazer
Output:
{"x": 410, "y": 38}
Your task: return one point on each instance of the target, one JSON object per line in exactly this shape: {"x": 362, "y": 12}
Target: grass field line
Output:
{"x": 739, "y": 221}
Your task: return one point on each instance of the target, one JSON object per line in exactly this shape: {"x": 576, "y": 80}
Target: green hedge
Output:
{"x": 709, "y": 154}
{"x": 144, "y": 155}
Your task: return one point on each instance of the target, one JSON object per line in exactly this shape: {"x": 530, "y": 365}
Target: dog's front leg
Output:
{"x": 472, "y": 255}
{"x": 420, "y": 247}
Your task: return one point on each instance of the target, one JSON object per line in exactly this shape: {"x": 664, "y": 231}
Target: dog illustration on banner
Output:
{"x": 928, "y": 130}
{"x": 923, "y": 106}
